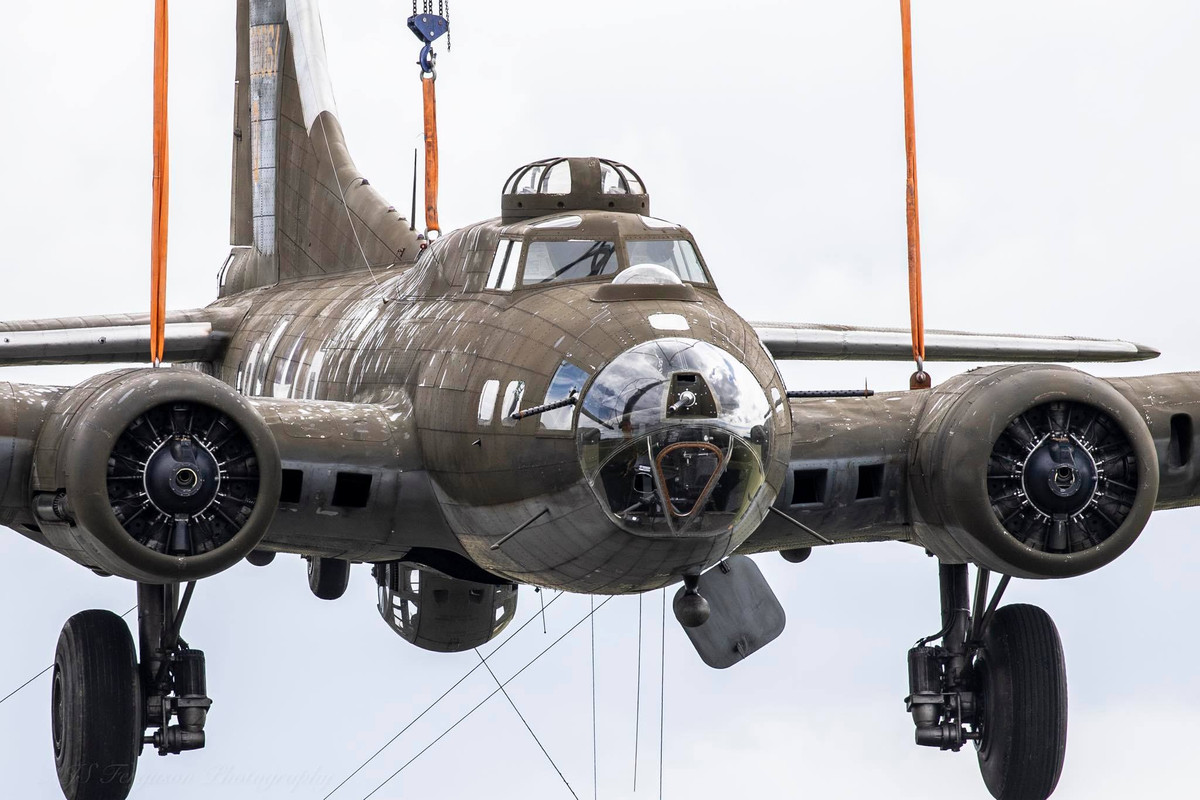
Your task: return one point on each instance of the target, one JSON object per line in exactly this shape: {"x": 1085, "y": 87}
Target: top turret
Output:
{"x": 566, "y": 184}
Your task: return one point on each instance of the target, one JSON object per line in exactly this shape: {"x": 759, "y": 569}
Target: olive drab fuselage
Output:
{"x": 451, "y": 359}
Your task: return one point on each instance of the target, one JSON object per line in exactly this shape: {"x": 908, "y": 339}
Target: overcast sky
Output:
{"x": 1060, "y": 189}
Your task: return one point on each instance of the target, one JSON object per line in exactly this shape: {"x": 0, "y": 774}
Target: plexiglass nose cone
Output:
{"x": 674, "y": 436}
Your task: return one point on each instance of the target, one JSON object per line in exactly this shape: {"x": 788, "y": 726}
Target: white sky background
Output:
{"x": 1059, "y": 188}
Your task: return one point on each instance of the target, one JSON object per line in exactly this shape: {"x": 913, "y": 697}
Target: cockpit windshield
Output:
{"x": 549, "y": 261}
{"x": 557, "y": 260}
{"x": 677, "y": 255}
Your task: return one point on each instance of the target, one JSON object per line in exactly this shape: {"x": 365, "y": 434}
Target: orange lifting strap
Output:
{"x": 431, "y": 154}
{"x": 920, "y": 379}
{"x": 158, "y": 220}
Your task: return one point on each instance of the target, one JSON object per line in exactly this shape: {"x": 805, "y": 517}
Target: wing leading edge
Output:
{"x": 806, "y": 341}
{"x": 195, "y": 335}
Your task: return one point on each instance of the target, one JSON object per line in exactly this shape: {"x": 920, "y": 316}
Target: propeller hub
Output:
{"x": 1060, "y": 476}
{"x": 182, "y": 477}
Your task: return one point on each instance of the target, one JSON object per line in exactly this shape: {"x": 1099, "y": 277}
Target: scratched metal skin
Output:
{"x": 353, "y": 347}
{"x": 364, "y": 351}
{"x": 431, "y": 335}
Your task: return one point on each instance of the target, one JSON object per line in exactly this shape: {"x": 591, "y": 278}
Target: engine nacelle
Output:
{"x": 154, "y": 475}
{"x": 1032, "y": 471}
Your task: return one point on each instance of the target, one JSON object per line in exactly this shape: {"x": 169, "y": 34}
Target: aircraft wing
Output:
{"x": 87, "y": 471}
{"x": 1034, "y": 471}
{"x": 196, "y": 335}
{"x": 805, "y": 341}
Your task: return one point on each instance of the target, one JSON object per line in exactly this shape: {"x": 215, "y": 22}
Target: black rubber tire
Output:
{"x": 328, "y": 577}
{"x": 96, "y": 707}
{"x": 1023, "y": 682}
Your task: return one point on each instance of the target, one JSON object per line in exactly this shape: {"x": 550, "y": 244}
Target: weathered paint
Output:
{"x": 336, "y": 319}
{"x": 428, "y": 337}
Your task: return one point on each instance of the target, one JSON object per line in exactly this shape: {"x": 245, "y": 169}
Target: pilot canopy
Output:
{"x": 560, "y": 184}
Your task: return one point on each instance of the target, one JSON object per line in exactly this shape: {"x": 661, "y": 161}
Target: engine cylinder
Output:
{"x": 155, "y": 475}
{"x": 1033, "y": 471}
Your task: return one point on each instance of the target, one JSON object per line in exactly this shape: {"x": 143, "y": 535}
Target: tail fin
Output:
{"x": 299, "y": 207}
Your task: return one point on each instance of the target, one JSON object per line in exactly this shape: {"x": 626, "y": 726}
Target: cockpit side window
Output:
{"x": 554, "y": 261}
{"x": 503, "y": 274}
{"x": 677, "y": 255}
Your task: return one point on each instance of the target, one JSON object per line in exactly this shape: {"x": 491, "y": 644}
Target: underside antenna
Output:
{"x": 429, "y": 707}
{"x": 525, "y": 722}
{"x": 637, "y": 707}
{"x": 595, "y": 761}
{"x": 494, "y": 692}
{"x": 662, "y": 692}
{"x": 43, "y": 672}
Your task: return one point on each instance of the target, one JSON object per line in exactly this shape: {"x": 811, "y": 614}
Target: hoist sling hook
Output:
{"x": 427, "y": 28}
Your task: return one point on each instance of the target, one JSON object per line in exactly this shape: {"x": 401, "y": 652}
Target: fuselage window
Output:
{"x": 677, "y": 255}
{"x": 568, "y": 377}
{"x": 550, "y": 262}
{"x": 512, "y": 401}
{"x": 503, "y": 274}
{"x": 487, "y": 401}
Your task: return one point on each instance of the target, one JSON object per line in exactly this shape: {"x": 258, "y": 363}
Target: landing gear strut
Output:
{"x": 172, "y": 673}
{"x": 107, "y": 704}
{"x": 997, "y": 679}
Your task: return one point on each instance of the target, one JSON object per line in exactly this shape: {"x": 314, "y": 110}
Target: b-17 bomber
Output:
{"x": 555, "y": 398}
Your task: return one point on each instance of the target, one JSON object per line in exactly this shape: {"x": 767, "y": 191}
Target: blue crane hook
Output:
{"x": 427, "y": 28}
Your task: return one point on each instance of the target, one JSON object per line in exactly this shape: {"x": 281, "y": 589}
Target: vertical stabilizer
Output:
{"x": 299, "y": 205}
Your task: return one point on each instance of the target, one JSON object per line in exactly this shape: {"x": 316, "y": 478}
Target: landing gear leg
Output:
{"x": 998, "y": 679}
{"x": 172, "y": 673}
{"x": 941, "y": 699}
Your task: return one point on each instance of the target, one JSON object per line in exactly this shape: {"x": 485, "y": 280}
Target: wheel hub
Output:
{"x": 57, "y": 712}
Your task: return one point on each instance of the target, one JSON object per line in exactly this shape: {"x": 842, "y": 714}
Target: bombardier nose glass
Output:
{"x": 673, "y": 435}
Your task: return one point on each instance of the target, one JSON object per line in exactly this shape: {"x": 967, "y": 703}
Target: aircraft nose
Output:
{"x": 674, "y": 437}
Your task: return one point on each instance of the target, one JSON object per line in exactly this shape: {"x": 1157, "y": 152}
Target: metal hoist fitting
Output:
{"x": 429, "y": 27}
